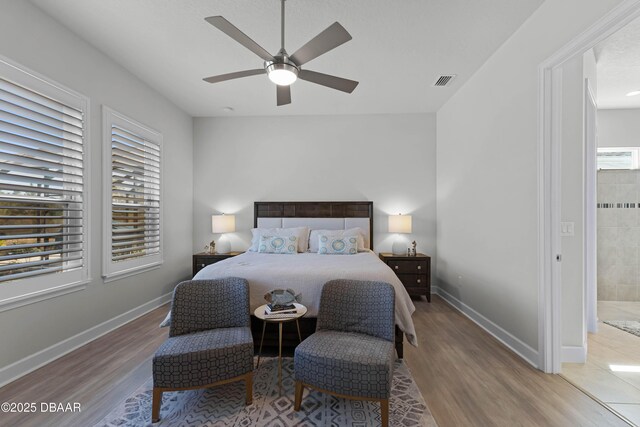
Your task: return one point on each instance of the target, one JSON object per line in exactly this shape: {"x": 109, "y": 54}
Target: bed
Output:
{"x": 306, "y": 273}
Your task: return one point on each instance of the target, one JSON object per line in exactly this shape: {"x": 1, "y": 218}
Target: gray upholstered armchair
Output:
{"x": 209, "y": 342}
{"x": 351, "y": 354}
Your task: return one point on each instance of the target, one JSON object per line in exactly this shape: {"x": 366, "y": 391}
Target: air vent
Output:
{"x": 444, "y": 80}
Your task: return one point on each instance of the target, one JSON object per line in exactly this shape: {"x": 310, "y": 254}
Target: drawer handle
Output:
{"x": 202, "y": 265}
{"x": 419, "y": 267}
{"x": 419, "y": 281}
{"x": 396, "y": 267}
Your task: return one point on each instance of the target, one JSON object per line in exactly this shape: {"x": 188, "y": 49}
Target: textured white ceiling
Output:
{"x": 398, "y": 50}
{"x": 618, "y": 67}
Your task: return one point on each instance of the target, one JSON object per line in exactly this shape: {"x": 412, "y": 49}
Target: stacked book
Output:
{"x": 273, "y": 310}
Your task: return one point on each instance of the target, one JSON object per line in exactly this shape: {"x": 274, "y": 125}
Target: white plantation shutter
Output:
{"x": 42, "y": 188}
{"x": 134, "y": 235}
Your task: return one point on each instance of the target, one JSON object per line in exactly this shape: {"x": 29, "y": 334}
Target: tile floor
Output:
{"x": 611, "y": 347}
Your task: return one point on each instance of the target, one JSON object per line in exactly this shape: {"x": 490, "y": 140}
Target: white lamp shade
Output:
{"x": 223, "y": 224}
{"x": 399, "y": 223}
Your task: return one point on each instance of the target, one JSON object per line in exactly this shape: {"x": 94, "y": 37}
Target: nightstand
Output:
{"x": 413, "y": 271}
{"x": 203, "y": 259}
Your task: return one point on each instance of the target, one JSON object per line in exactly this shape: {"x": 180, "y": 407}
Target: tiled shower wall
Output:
{"x": 618, "y": 235}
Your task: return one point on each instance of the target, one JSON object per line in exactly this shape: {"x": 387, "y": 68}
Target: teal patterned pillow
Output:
{"x": 337, "y": 245}
{"x": 275, "y": 244}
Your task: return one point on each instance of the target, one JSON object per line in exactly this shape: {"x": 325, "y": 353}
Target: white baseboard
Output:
{"x": 573, "y": 354}
{"x": 522, "y": 349}
{"x": 30, "y": 363}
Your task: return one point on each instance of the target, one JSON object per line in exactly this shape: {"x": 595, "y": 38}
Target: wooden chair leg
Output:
{"x": 298, "y": 396}
{"x": 249, "y": 386}
{"x": 384, "y": 411}
{"x": 155, "y": 405}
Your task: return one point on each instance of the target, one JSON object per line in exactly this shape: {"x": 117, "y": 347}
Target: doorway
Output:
{"x": 605, "y": 362}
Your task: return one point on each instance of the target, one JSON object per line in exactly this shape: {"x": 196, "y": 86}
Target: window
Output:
{"x": 133, "y": 227}
{"x": 43, "y": 185}
{"x": 618, "y": 158}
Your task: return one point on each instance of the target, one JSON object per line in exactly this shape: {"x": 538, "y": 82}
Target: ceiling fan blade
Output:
{"x": 338, "y": 83}
{"x": 232, "y": 31}
{"x": 332, "y": 37}
{"x": 236, "y": 75}
{"x": 284, "y": 95}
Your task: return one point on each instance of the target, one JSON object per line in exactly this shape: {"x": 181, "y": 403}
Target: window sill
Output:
{"x": 112, "y": 277}
{"x": 34, "y": 297}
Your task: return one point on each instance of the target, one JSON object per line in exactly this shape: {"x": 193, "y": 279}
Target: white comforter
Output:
{"x": 306, "y": 273}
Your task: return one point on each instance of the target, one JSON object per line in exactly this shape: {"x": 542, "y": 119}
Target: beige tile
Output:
{"x": 618, "y": 310}
{"x": 608, "y": 276}
{"x": 630, "y": 411}
{"x": 632, "y": 378}
{"x": 627, "y": 293}
{"x": 625, "y": 256}
{"x": 606, "y": 177}
{"x": 601, "y": 383}
{"x": 628, "y": 237}
{"x": 607, "y": 236}
{"x": 604, "y": 357}
{"x": 626, "y": 177}
{"x": 626, "y": 193}
{"x": 616, "y": 339}
{"x": 607, "y": 217}
{"x": 627, "y": 275}
{"x": 608, "y": 256}
{"x": 607, "y": 193}
{"x": 627, "y": 217}
{"x": 606, "y": 292}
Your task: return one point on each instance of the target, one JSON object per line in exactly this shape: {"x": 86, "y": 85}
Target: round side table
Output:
{"x": 280, "y": 319}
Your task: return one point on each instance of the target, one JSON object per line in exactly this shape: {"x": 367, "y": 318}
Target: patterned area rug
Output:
{"x": 224, "y": 405}
{"x": 631, "y": 326}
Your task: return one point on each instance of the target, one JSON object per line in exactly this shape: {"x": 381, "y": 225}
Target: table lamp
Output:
{"x": 399, "y": 224}
{"x": 221, "y": 224}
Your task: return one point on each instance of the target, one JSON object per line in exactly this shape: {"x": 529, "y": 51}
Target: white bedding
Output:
{"x": 306, "y": 273}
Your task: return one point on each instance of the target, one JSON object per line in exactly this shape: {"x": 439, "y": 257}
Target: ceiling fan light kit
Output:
{"x": 283, "y": 69}
{"x": 281, "y": 73}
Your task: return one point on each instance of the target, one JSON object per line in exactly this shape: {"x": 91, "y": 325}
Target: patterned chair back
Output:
{"x": 200, "y": 305}
{"x": 359, "y": 306}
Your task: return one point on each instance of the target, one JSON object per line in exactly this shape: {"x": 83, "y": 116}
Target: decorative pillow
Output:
{"x": 302, "y": 233}
{"x": 278, "y": 244}
{"x": 356, "y": 232}
{"x": 337, "y": 245}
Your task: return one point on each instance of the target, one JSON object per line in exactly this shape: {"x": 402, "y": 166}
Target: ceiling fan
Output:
{"x": 283, "y": 69}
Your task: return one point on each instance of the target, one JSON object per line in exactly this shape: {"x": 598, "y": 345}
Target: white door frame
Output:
{"x": 549, "y": 169}
{"x": 590, "y": 211}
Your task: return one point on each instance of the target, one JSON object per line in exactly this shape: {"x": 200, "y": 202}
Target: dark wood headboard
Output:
{"x": 314, "y": 210}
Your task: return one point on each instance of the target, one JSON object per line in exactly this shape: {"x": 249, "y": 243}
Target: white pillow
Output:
{"x": 357, "y": 232}
{"x": 337, "y": 245}
{"x": 302, "y": 233}
{"x": 278, "y": 244}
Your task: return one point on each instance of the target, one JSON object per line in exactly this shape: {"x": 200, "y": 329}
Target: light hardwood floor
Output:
{"x": 466, "y": 377}
{"x": 608, "y": 348}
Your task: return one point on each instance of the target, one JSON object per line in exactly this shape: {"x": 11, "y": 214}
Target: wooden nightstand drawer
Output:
{"x": 400, "y": 267}
{"x": 413, "y": 280}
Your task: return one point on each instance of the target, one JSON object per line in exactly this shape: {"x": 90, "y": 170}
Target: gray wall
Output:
{"x": 389, "y": 159}
{"x": 619, "y": 128}
{"x": 618, "y": 235}
{"x": 31, "y": 38}
{"x": 487, "y": 182}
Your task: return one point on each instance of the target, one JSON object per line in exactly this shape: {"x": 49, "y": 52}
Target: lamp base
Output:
{"x": 399, "y": 247}
{"x": 223, "y": 246}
